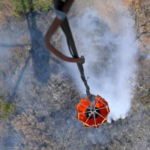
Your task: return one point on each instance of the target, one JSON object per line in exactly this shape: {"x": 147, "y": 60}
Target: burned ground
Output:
{"x": 36, "y": 80}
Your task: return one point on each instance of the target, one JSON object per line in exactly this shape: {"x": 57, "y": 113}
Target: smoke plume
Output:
{"x": 109, "y": 58}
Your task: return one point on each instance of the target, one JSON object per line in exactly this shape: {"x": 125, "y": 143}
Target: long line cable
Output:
{"x": 72, "y": 48}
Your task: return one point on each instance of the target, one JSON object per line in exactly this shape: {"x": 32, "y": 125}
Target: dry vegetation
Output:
{"x": 128, "y": 3}
{"x": 6, "y": 11}
{"x": 142, "y": 15}
{"x": 33, "y": 131}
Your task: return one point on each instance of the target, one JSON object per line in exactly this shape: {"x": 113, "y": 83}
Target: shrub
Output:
{"x": 25, "y": 6}
{"x": 5, "y": 110}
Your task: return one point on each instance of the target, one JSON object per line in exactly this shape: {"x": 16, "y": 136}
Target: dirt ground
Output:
{"x": 44, "y": 118}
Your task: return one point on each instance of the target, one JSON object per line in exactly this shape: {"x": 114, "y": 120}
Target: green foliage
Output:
{"x": 6, "y": 109}
{"x": 1, "y": 4}
{"x": 25, "y": 6}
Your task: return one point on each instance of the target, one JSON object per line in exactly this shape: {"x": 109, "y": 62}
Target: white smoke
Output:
{"x": 109, "y": 59}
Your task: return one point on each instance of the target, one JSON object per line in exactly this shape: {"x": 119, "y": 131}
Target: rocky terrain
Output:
{"x": 46, "y": 97}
